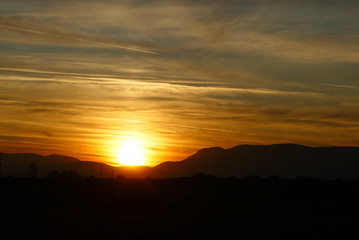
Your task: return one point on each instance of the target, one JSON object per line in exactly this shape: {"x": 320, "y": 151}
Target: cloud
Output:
{"x": 341, "y": 86}
{"x": 239, "y": 27}
{"x": 18, "y": 24}
{"x": 227, "y": 72}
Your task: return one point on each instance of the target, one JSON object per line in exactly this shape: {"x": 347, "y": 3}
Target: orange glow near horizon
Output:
{"x": 131, "y": 152}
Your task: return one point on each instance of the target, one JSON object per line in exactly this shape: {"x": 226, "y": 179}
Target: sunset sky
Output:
{"x": 83, "y": 77}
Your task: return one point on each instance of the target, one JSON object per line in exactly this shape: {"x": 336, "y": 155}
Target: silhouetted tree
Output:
{"x": 1, "y": 164}
{"x": 71, "y": 175}
{"x": 273, "y": 179}
{"x": 53, "y": 174}
{"x": 120, "y": 177}
{"x": 33, "y": 170}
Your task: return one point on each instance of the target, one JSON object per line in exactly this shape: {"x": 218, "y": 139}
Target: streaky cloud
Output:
{"x": 82, "y": 39}
{"x": 341, "y": 86}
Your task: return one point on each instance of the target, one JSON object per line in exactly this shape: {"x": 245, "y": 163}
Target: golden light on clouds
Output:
{"x": 252, "y": 73}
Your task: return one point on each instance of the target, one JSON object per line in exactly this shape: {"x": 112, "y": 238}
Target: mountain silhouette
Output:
{"x": 88, "y": 168}
{"x": 18, "y": 164}
{"x": 284, "y": 160}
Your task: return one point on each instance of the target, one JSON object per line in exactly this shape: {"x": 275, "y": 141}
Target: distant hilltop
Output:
{"x": 35, "y": 165}
{"x": 283, "y": 160}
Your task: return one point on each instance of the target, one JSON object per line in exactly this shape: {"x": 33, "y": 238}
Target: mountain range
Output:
{"x": 283, "y": 160}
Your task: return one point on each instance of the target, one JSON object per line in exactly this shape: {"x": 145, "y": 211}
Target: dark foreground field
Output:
{"x": 199, "y": 207}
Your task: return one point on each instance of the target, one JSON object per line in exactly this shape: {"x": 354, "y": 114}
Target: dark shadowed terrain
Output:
{"x": 69, "y": 206}
{"x": 284, "y": 160}
{"x": 246, "y": 192}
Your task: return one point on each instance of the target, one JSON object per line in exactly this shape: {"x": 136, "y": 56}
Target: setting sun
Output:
{"x": 131, "y": 153}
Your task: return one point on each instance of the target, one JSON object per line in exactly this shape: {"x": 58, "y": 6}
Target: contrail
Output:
{"x": 341, "y": 86}
{"x": 76, "y": 39}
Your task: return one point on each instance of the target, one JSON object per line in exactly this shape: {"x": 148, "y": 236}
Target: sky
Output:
{"x": 80, "y": 78}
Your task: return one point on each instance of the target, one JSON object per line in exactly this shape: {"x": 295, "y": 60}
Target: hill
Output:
{"x": 19, "y": 164}
{"x": 284, "y": 160}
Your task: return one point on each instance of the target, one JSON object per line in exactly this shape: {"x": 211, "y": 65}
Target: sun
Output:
{"x": 131, "y": 153}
